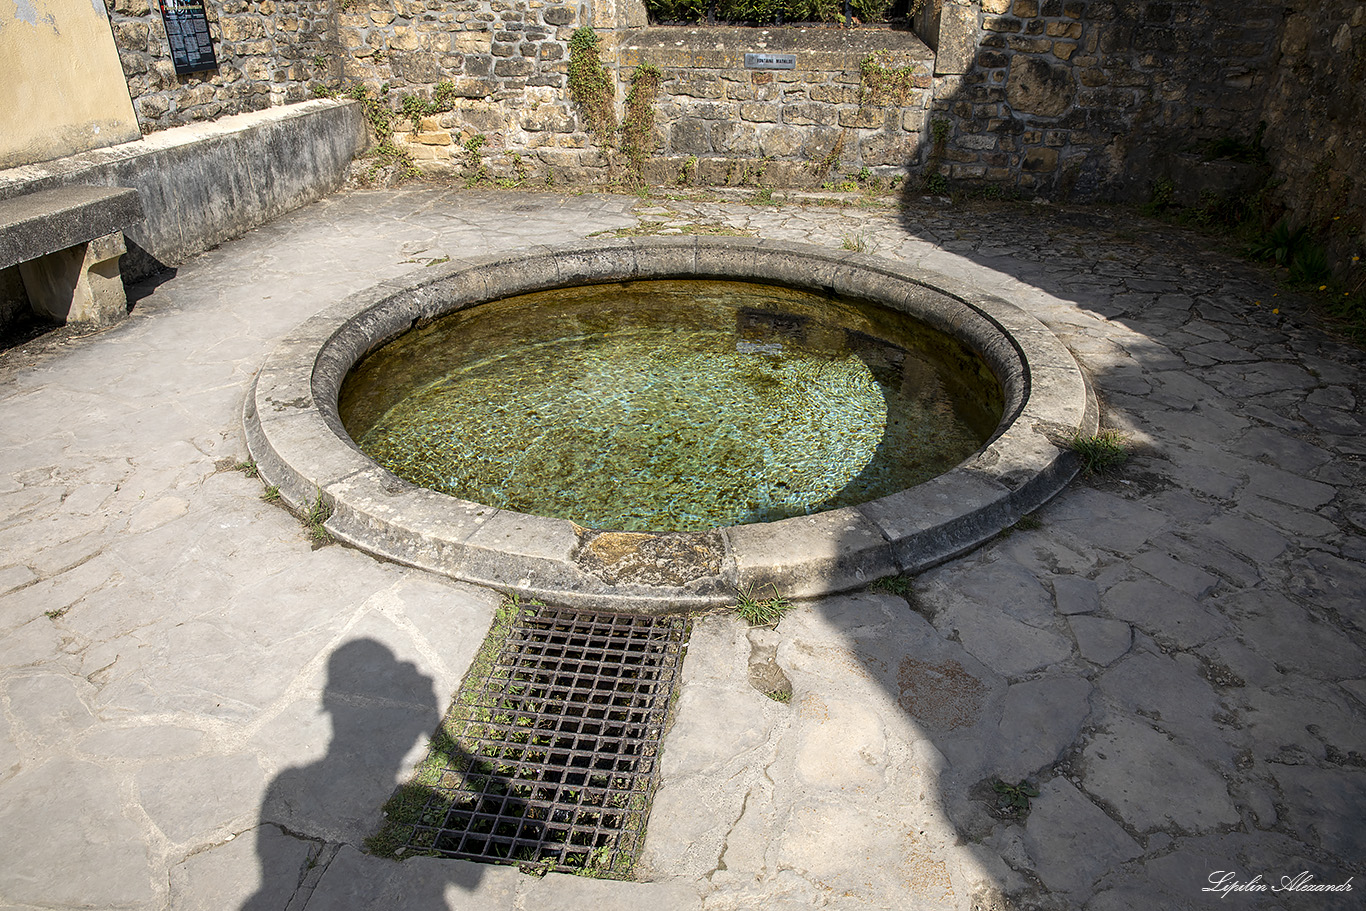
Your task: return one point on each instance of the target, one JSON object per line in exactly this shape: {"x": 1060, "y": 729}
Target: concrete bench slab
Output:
{"x": 67, "y": 242}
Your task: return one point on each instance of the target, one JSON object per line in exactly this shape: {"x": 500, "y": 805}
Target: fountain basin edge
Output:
{"x": 296, "y": 438}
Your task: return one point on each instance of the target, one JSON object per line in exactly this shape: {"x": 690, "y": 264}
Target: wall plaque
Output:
{"x": 770, "y": 61}
{"x": 187, "y": 30}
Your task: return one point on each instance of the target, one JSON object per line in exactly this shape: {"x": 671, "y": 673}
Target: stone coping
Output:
{"x": 297, "y": 440}
{"x": 724, "y": 46}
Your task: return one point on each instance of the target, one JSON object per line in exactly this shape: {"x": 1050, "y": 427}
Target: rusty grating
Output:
{"x": 552, "y": 753}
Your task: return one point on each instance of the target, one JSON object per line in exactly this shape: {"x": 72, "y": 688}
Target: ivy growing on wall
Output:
{"x": 590, "y": 85}
{"x": 385, "y": 151}
{"x": 593, "y": 91}
{"x": 415, "y": 107}
{"x": 638, "y": 124}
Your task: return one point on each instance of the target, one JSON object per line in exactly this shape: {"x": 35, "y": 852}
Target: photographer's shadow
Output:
{"x": 380, "y": 707}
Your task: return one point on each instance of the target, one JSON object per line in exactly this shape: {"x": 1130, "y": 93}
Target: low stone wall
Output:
{"x": 504, "y": 63}
{"x": 714, "y": 120}
{"x": 204, "y": 184}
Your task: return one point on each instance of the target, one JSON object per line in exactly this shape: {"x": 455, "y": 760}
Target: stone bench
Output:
{"x": 67, "y": 243}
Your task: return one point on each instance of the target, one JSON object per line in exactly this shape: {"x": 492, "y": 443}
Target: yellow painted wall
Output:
{"x": 62, "y": 90}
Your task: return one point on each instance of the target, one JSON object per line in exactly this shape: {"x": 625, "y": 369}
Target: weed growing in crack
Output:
{"x": 315, "y": 520}
{"x": 1013, "y": 799}
{"x": 827, "y": 163}
{"x": 687, "y": 172}
{"x": 894, "y": 585}
{"x": 856, "y": 243}
{"x": 474, "y": 161}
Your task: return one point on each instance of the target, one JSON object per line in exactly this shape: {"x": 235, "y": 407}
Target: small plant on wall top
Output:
{"x": 590, "y": 85}
{"x": 765, "y": 11}
{"x": 880, "y": 83}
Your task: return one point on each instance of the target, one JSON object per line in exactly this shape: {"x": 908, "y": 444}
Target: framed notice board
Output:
{"x": 187, "y": 30}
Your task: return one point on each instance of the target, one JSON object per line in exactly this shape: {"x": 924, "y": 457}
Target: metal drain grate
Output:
{"x": 555, "y": 750}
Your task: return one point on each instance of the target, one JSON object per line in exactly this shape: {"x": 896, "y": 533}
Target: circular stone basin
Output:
{"x": 786, "y": 418}
{"x": 671, "y": 405}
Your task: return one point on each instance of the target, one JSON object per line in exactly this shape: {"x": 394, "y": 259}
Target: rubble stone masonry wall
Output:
{"x": 1315, "y": 111}
{"x": 506, "y": 62}
{"x": 268, "y": 53}
{"x": 1091, "y": 98}
{"x": 782, "y": 126}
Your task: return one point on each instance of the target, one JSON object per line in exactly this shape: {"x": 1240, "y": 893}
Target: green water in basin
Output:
{"x": 671, "y": 405}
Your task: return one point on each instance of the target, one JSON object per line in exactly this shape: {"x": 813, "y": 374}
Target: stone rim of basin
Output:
{"x": 296, "y": 438}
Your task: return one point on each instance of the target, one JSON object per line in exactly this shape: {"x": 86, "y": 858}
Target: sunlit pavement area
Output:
{"x": 203, "y": 710}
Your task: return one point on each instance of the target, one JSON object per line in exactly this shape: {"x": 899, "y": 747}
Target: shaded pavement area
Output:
{"x": 203, "y": 710}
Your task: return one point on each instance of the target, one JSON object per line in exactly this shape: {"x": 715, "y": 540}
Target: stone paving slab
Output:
{"x": 201, "y": 709}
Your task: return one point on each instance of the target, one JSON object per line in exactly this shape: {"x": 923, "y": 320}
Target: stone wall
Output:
{"x": 783, "y": 126}
{"x": 1315, "y": 111}
{"x": 268, "y": 54}
{"x": 715, "y": 121}
{"x": 504, "y": 63}
{"x": 1094, "y": 98}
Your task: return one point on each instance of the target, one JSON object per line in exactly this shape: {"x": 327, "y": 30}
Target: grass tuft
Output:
{"x": 761, "y": 611}
{"x": 315, "y": 520}
{"x": 1102, "y": 453}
